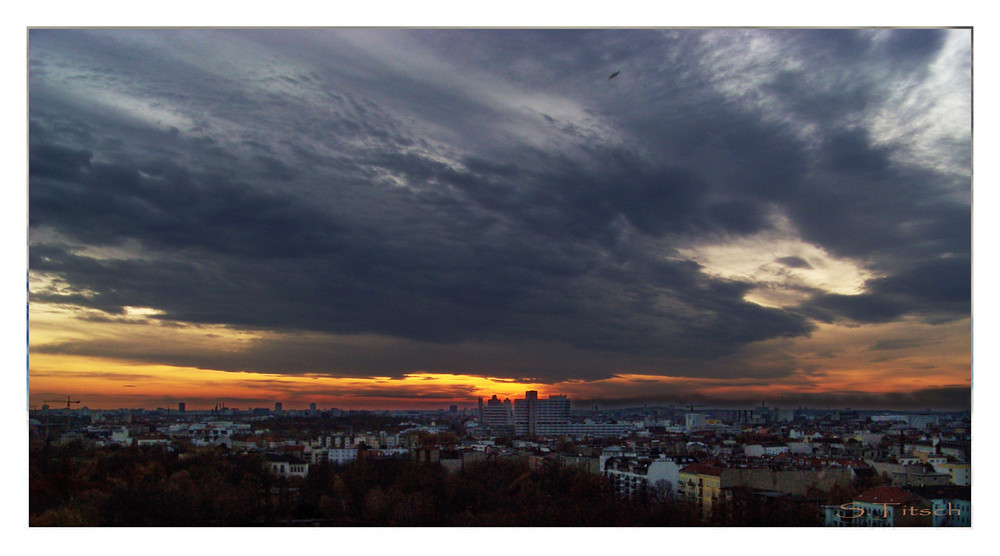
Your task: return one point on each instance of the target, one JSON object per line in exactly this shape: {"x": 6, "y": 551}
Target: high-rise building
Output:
{"x": 277, "y": 407}
{"x": 181, "y": 407}
{"x": 497, "y": 416}
{"x": 553, "y": 416}
{"x": 526, "y": 414}
{"x": 533, "y": 416}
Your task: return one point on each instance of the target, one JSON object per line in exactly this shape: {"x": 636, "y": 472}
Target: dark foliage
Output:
{"x": 77, "y": 485}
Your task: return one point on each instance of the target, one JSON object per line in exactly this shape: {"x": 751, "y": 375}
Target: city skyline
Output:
{"x": 401, "y": 218}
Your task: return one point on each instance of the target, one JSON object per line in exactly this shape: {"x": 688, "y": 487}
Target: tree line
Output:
{"x": 81, "y": 485}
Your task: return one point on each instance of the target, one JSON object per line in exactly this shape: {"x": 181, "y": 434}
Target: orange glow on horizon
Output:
{"x": 833, "y": 360}
{"x": 110, "y": 384}
{"x": 115, "y": 384}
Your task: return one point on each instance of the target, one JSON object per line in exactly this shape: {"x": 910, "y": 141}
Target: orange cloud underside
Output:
{"x": 107, "y": 384}
{"x": 904, "y": 356}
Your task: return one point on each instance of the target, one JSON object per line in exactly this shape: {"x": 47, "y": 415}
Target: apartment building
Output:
{"x": 537, "y": 417}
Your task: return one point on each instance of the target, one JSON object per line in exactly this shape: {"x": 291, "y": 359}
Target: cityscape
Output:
{"x": 441, "y": 277}
{"x": 659, "y": 466}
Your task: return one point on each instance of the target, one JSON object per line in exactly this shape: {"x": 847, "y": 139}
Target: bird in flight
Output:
{"x": 613, "y": 75}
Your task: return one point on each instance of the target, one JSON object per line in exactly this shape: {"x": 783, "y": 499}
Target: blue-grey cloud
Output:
{"x": 451, "y": 187}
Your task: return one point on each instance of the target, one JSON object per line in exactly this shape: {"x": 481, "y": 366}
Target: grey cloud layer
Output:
{"x": 484, "y": 186}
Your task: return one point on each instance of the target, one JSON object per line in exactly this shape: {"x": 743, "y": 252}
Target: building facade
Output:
{"x": 702, "y": 484}
{"x": 497, "y": 416}
{"x": 630, "y": 475}
{"x": 536, "y": 417}
{"x": 882, "y": 507}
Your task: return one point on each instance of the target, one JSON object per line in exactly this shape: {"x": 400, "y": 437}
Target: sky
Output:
{"x": 403, "y": 218}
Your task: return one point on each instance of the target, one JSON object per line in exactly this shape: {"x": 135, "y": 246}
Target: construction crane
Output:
{"x": 67, "y": 401}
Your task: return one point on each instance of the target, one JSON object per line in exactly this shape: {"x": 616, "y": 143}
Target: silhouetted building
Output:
{"x": 497, "y": 417}
{"x": 533, "y": 416}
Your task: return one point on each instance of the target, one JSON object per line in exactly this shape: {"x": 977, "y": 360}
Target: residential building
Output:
{"x": 287, "y": 466}
{"x": 951, "y": 506}
{"x": 341, "y": 456}
{"x": 702, "y": 484}
{"x": 535, "y": 417}
{"x": 882, "y": 507}
{"x": 598, "y": 430}
{"x": 497, "y": 416}
{"x": 631, "y": 475}
{"x": 960, "y": 473}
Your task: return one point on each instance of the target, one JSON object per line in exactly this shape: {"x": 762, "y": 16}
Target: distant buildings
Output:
{"x": 497, "y": 417}
{"x": 532, "y": 416}
{"x": 287, "y": 466}
{"x": 694, "y": 422}
{"x": 536, "y": 417}
{"x": 590, "y": 429}
{"x": 341, "y": 456}
{"x": 528, "y": 416}
{"x": 718, "y": 460}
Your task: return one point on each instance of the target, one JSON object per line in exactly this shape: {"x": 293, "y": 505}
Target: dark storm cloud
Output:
{"x": 52, "y": 161}
{"x": 953, "y": 398}
{"x": 866, "y": 308}
{"x": 946, "y": 282}
{"x": 477, "y": 186}
{"x": 918, "y": 44}
{"x": 161, "y": 205}
{"x": 938, "y": 291}
{"x": 562, "y": 198}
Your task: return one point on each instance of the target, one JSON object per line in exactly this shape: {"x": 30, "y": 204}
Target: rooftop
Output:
{"x": 885, "y": 495}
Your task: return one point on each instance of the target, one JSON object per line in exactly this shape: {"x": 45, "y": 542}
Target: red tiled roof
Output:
{"x": 885, "y": 495}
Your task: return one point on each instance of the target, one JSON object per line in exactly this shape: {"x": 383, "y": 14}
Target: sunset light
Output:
{"x": 402, "y": 218}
